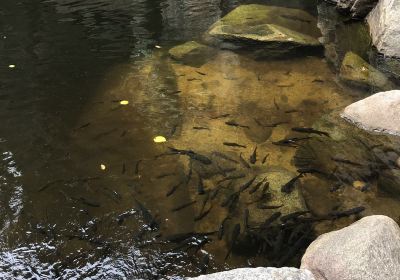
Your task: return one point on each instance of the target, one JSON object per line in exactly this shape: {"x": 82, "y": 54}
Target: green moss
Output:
{"x": 357, "y": 71}
{"x": 192, "y": 53}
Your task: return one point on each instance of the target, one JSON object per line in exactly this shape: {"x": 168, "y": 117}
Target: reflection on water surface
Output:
{"x": 88, "y": 194}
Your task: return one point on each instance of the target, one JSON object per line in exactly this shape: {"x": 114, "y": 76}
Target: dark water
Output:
{"x": 61, "y": 215}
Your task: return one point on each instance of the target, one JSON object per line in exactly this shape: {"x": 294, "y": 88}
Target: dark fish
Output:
{"x": 183, "y": 206}
{"x": 192, "y": 155}
{"x": 234, "y": 123}
{"x": 147, "y": 217}
{"x": 77, "y": 180}
{"x": 202, "y": 215}
{"x": 174, "y": 188}
{"x": 310, "y": 170}
{"x": 318, "y": 81}
{"x": 173, "y": 130}
{"x": 221, "y": 230}
{"x": 230, "y": 198}
{"x": 193, "y": 79}
{"x": 230, "y": 144}
{"x": 263, "y": 206}
{"x": 293, "y": 215}
{"x": 257, "y": 186}
{"x": 289, "y": 186}
{"x": 123, "y": 168}
{"x": 205, "y": 200}
{"x": 276, "y": 105}
{"x": 189, "y": 175}
{"x": 165, "y": 175}
{"x": 223, "y": 156}
{"x": 137, "y": 166}
{"x": 220, "y": 116}
{"x": 246, "y": 219}
{"x": 262, "y": 197}
{"x": 269, "y": 125}
{"x": 291, "y": 111}
{"x": 247, "y": 184}
{"x": 309, "y": 130}
{"x": 290, "y": 142}
{"x": 89, "y": 202}
{"x": 200, "y": 128}
{"x": 244, "y": 162}
{"x": 200, "y": 186}
{"x": 234, "y": 237}
{"x": 201, "y": 73}
{"x": 123, "y": 133}
{"x": 232, "y": 177}
{"x": 295, "y": 248}
{"x": 352, "y": 211}
{"x": 204, "y": 263}
{"x": 265, "y": 187}
{"x": 253, "y": 157}
{"x": 271, "y": 219}
{"x": 84, "y": 125}
{"x": 214, "y": 193}
{"x": 342, "y": 160}
{"x": 265, "y": 158}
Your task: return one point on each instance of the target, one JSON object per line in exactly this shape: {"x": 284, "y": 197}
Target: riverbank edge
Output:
{"x": 368, "y": 249}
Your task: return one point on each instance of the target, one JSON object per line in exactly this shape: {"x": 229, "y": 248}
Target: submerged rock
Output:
{"x": 269, "y": 30}
{"x": 192, "y": 53}
{"x": 378, "y": 113}
{"x": 260, "y": 273}
{"x": 384, "y": 23}
{"x": 356, "y": 71}
{"x": 367, "y": 250}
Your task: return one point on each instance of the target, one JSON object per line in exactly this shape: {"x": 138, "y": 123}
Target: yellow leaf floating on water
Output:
{"x": 124, "y": 102}
{"x": 159, "y": 139}
{"x": 102, "y": 167}
{"x": 11, "y": 66}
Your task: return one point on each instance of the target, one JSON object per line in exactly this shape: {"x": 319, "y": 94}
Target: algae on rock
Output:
{"x": 270, "y": 30}
{"x": 192, "y": 53}
{"x": 358, "y": 72}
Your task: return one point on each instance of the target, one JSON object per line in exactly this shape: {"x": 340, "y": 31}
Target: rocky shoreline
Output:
{"x": 369, "y": 249}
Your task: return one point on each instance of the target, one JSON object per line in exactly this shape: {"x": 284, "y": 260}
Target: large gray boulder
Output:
{"x": 378, "y": 113}
{"x": 366, "y": 250}
{"x": 260, "y": 273}
{"x": 384, "y": 23}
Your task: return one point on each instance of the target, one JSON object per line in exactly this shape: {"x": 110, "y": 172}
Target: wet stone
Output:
{"x": 268, "y": 30}
{"x": 192, "y": 53}
{"x": 358, "y": 72}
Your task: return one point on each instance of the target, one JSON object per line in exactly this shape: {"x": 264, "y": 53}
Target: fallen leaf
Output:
{"x": 159, "y": 139}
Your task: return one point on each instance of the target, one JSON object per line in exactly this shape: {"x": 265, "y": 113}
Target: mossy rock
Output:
{"x": 192, "y": 53}
{"x": 268, "y": 28}
{"x": 356, "y": 71}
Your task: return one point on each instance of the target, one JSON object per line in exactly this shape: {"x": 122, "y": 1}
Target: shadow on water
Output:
{"x": 87, "y": 194}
